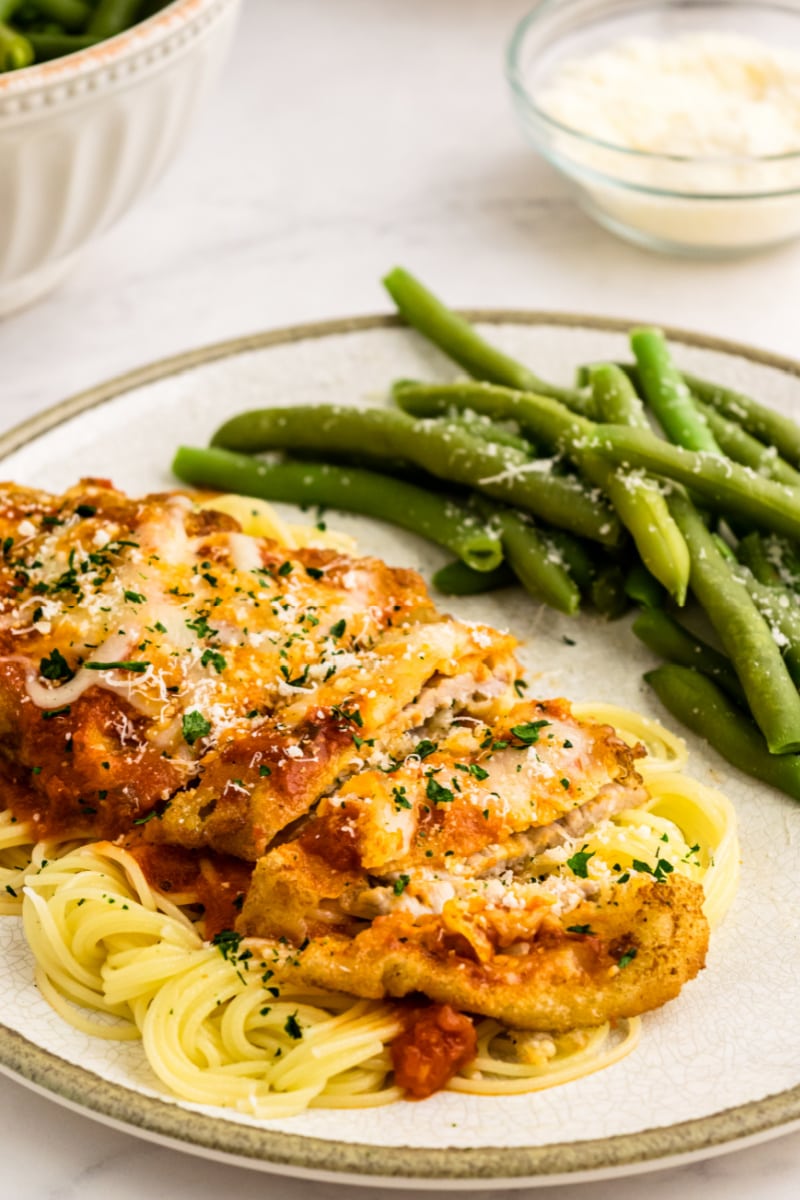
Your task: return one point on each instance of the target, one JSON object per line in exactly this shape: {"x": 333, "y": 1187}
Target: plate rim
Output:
{"x": 352, "y": 1161}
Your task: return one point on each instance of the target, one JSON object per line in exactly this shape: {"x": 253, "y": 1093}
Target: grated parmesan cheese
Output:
{"x": 701, "y": 95}
{"x": 712, "y": 109}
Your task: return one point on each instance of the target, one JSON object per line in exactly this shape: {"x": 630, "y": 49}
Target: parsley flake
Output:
{"x": 529, "y": 732}
{"x": 55, "y": 666}
{"x": 293, "y": 1027}
{"x": 215, "y": 659}
{"x": 195, "y": 726}
{"x": 438, "y": 794}
{"x": 578, "y": 862}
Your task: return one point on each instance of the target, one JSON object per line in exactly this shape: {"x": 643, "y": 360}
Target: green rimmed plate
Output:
{"x": 718, "y": 1068}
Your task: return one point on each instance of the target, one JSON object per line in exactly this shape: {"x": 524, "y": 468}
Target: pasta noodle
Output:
{"x": 219, "y": 1023}
{"x": 220, "y": 1026}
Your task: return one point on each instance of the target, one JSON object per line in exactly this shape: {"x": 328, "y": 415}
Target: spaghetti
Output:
{"x": 220, "y": 1025}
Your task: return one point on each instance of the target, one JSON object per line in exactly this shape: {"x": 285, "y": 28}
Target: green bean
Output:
{"x": 764, "y": 423}
{"x": 71, "y": 14}
{"x": 607, "y": 592}
{"x": 462, "y": 342}
{"x": 745, "y": 635}
{"x": 457, "y": 579}
{"x": 432, "y": 515}
{"x": 667, "y": 638}
{"x": 779, "y": 609}
{"x": 490, "y": 431}
{"x": 113, "y": 16}
{"x": 737, "y": 444}
{"x": 539, "y": 570}
{"x": 574, "y": 555}
{"x": 16, "y": 51}
{"x": 723, "y": 485}
{"x": 56, "y": 45}
{"x": 498, "y": 471}
{"x": 636, "y": 499}
{"x": 752, "y": 553}
{"x": 772, "y": 560}
{"x": 539, "y": 417}
{"x": 8, "y": 8}
{"x": 668, "y": 396}
{"x": 615, "y": 399}
{"x": 644, "y": 588}
{"x": 703, "y": 708}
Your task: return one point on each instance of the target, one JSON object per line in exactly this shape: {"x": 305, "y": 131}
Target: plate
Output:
{"x": 716, "y": 1069}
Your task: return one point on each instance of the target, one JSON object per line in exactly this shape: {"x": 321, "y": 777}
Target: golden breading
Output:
{"x": 156, "y": 660}
{"x": 451, "y": 813}
{"x": 528, "y": 970}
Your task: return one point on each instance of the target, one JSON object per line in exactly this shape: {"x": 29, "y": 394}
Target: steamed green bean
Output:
{"x": 457, "y": 579}
{"x": 745, "y": 635}
{"x": 764, "y": 423}
{"x": 461, "y": 341}
{"x": 668, "y": 638}
{"x": 432, "y": 515}
{"x": 666, "y": 392}
{"x": 636, "y": 499}
{"x": 446, "y": 452}
{"x": 697, "y": 702}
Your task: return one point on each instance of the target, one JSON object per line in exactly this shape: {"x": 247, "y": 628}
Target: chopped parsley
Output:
{"x": 293, "y": 1027}
{"x": 195, "y": 726}
{"x": 338, "y": 629}
{"x": 56, "y": 712}
{"x": 55, "y": 667}
{"x": 659, "y": 871}
{"x": 627, "y": 957}
{"x": 201, "y": 627}
{"x": 138, "y": 666}
{"x": 425, "y": 748}
{"x": 528, "y": 733}
{"x": 520, "y": 686}
{"x": 215, "y": 659}
{"x": 264, "y": 772}
{"x": 586, "y": 930}
{"x": 438, "y": 794}
{"x": 149, "y": 817}
{"x": 400, "y": 884}
{"x": 579, "y": 861}
{"x": 400, "y": 798}
{"x": 285, "y": 569}
{"x": 227, "y": 942}
{"x": 135, "y": 597}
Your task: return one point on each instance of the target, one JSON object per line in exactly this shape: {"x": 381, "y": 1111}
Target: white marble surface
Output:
{"x": 347, "y": 137}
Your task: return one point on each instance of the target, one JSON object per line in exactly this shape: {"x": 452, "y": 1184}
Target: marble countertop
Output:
{"x": 344, "y": 138}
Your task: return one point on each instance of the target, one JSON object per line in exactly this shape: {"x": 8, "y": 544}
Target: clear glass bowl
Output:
{"x": 702, "y": 207}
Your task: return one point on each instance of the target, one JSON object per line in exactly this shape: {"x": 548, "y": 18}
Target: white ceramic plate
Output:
{"x": 716, "y": 1069}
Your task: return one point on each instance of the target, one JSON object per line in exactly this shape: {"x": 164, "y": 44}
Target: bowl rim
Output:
{"x": 109, "y": 52}
{"x": 514, "y": 76}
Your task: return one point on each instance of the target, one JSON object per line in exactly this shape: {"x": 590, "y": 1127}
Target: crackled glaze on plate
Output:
{"x": 730, "y": 1041}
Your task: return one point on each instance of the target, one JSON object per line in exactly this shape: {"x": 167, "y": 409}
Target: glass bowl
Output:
{"x": 704, "y": 207}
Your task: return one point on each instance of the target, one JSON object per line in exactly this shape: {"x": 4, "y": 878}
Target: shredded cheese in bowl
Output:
{"x": 686, "y": 141}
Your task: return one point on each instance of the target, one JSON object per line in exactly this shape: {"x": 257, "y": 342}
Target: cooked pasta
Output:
{"x": 221, "y": 1025}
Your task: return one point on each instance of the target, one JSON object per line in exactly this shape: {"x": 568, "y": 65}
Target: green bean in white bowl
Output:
{"x": 90, "y": 115}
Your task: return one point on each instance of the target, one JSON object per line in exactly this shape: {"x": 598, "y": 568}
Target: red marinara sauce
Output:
{"x": 436, "y": 1043}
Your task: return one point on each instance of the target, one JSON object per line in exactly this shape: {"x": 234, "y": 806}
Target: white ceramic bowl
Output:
{"x": 82, "y": 137}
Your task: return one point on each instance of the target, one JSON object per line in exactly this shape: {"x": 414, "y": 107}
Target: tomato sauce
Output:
{"x": 436, "y": 1043}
